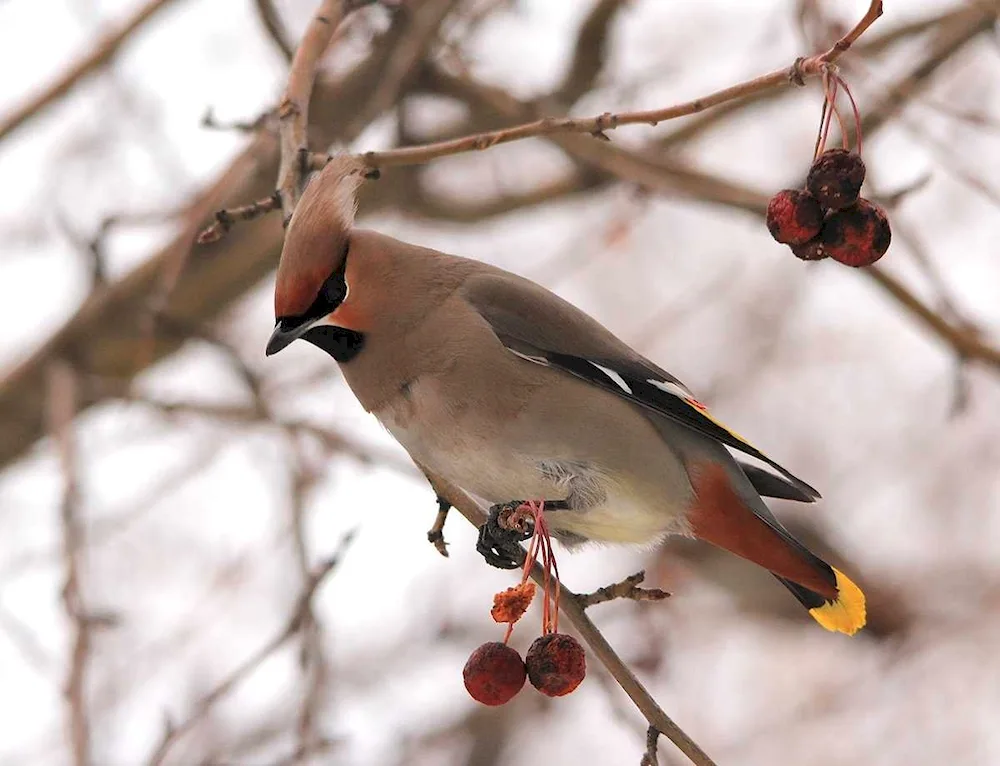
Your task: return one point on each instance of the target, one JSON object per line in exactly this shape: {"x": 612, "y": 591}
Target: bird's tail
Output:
{"x": 844, "y": 614}
{"x": 719, "y": 515}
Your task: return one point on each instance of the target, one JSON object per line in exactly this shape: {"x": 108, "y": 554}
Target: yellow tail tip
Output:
{"x": 847, "y": 613}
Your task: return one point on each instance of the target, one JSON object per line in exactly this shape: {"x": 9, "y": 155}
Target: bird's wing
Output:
{"x": 543, "y": 329}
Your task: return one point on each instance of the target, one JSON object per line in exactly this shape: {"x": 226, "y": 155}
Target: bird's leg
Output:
{"x": 435, "y": 535}
{"x": 505, "y": 529}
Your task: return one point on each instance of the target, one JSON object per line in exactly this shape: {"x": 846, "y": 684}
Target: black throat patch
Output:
{"x": 340, "y": 343}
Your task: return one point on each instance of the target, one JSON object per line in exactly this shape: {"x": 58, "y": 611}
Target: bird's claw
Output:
{"x": 500, "y": 537}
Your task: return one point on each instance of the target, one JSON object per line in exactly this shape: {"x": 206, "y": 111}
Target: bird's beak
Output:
{"x": 286, "y": 330}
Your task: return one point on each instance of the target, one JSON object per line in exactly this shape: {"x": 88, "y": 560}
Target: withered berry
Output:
{"x": 813, "y": 250}
{"x": 494, "y": 673}
{"x": 835, "y": 178}
{"x": 556, "y": 664}
{"x": 794, "y": 216}
{"x": 858, "y": 235}
{"x": 510, "y": 605}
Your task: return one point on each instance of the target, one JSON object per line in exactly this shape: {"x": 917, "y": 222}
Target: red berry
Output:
{"x": 494, "y": 673}
{"x": 556, "y": 664}
{"x": 813, "y": 250}
{"x": 835, "y": 178}
{"x": 858, "y": 235}
{"x": 794, "y": 216}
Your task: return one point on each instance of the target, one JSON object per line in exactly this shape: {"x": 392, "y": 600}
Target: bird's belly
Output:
{"x": 451, "y": 444}
{"x": 613, "y": 504}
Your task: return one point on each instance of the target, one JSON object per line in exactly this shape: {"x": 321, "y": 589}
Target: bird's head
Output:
{"x": 312, "y": 281}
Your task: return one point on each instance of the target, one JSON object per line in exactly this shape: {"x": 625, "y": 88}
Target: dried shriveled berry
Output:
{"x": 511, "y": 604}
{"x": 794, "y": 216}
{"x": 494, "y": 673}
{"x": 556, "y": 664}
{"x": 858, "y": 235}
{"x": 813, "y": 250}
{"x": 835, "y": 178}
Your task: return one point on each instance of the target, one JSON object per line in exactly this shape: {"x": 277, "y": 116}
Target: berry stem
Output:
{"x": 541, "y": 546}
{"x": 854, "y": 107}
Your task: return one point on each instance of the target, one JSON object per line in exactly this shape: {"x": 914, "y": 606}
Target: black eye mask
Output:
{"x": 330, "y": 295}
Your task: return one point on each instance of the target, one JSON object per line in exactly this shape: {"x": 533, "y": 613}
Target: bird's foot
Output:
{"x": 435, "y": 535}
{"x": 501, "y": 535}
{"x": 508, "y": 525}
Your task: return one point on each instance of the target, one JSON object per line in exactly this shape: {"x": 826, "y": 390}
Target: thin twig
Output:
{"x": 62, "y": 410}
{"x": 589, "y": 53}
{"x": 271, "y": 20}
{"x": 627, "y": 588}
{"x": 224, "y": 219}
{"x": 333, "y": 441}
{"x": 650, "y": 758}
{"x": 209, "y": 120}
{"x": 172, "y": 733}
{"x": 311, "y": 657}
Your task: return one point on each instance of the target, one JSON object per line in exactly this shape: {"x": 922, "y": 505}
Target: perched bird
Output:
{"x": 506, "y": 390}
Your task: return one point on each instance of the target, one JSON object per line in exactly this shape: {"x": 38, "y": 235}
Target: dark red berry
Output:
{"x": 858, "y": 235}
{"x": 494, "y": 673}
{"x": 835, "y": 178}
{"x": 794, "y": 216}
{"x": 812, "y": 250}
{"x": 556, "y": 664}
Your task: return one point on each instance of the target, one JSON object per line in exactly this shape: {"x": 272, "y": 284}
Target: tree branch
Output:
{"x": 102, "y": 53}
{"x": 627, "y": 588}
{"x": 589, "y": 54}
{"x": 172, "y": 733}
{"x": 62, "y": 393}
{"x": 650, "y": 758}
{"x": 271, "y": 20}
{"x": 596, "y": 126}
{"x": 293, "y": 110}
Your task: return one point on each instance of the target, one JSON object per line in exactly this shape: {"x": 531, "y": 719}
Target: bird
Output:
{"x": 506, "y": 390}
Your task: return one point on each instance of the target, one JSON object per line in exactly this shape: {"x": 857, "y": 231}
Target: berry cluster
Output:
{"x": 555, "y": 663}
{"x": 829, "y": 218}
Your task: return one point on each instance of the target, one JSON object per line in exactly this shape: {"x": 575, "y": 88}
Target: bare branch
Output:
{"x": 311, "y": 658}
{"x": 333, "y": 441}
{"x": 224, "y": 219}
{"x": 589, "y": 54}
{"x": 62, "y": 394}
{"x": 650, "y": 758}
{"x": 265, "y": 118}
{"x": 173, "y": 733}
{"x": 293, "y": 111}
{"x": 102, "y": 53}
{"x": 596, "y": 126}
{"x": 271, "y": 20}
{"x": 627, "y": 588}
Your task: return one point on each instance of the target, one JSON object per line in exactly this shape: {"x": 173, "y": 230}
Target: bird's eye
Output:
{"x": 334, "y": 290}
{"x": 331, "y": 293}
